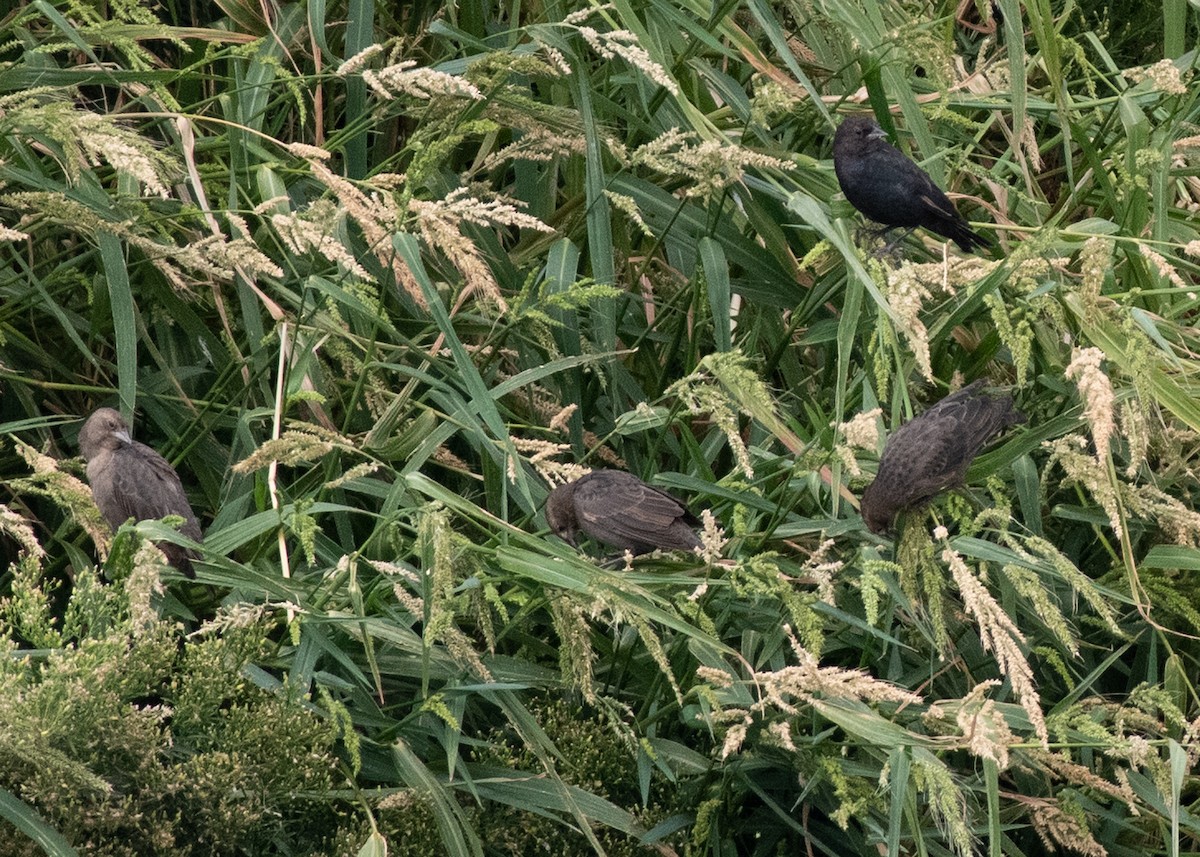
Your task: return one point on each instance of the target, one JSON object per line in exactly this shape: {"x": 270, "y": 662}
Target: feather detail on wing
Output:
{"x": 620, "y": 509}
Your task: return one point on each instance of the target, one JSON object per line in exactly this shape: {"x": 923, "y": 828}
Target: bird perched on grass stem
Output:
{"x": 620, "y": 510}
{"x": 932, "y": 452}
{"x": 888, "y": 187}
{"x": 131, "y": 480}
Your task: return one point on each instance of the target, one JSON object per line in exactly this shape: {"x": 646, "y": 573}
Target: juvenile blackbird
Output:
{"x": 620, "y": 510}
{"x": 888, "y": 187}
{"x": 131, "y": 480}
{"x": 931, "y": 453}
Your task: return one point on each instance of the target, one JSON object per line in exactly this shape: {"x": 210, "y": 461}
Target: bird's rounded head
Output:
{"x": 860, "y": 128}
{"x": 105, "y": 429}
{"x": 876, "y": 511}
{"x": 560, "y": 512}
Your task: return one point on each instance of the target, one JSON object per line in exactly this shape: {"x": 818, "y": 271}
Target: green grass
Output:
{"x": 348, "y": 306}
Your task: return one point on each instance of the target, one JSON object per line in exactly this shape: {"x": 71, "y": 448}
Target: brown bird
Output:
{"x": 887, "y": 186}
{"x": 931, "y": 453}
{"x": 620, "y": 510}
{"x": 131, "y": 480}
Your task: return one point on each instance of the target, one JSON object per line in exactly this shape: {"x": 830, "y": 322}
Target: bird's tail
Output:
{"x": 964, "y": 237}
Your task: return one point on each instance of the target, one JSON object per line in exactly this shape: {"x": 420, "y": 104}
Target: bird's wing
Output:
{"x": 914, "y": 182}
{"x": 626, "y": 508}
{"x": 933, "y": 451}
{"x": 912, "y": 190}
{"x": 938, "y": 203}
{"x": 146, "y": 487}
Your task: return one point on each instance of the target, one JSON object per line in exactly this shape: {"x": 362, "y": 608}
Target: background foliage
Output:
{"x": 371, "y": 275}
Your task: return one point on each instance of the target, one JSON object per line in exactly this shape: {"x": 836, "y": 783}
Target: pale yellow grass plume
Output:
{"x": 911, "y": 285}
{"x": 1095, "y": 261}
{"x": 541, "y": 454}
{"x": 823, "y": 568}
{"x": 305, "y": 152}
{"x": 440, "y": 223}
{"x": 543, "y": 461}
{"x": 1061, "y": 768}
{"x": 231, "y": 617}
{"x": 1163, "y": 76}
{"x": 808, "y": 682}
{"x": 1029, "y": 146}
{"x": 1065, "y": 831}
{"x": 860, "y": 432}
{"x": 1165, "y": 269}
{"x": 1179, "y": 521}
{"x": 559, "y": 422}
{"x": 19, "y": 530}
{"x": 538, "y": 145}
{"x": 302, "y": 443}
{"x": 403, "y": 580}
{"x": 789, "y": 689}
{"x": 708, "y": 166}
{"x": 1098, "y": 401}
{"x": 999, "y": 635}
{"x": 374, "y": 211}
{"x": 359, "y": 60}
{"x": 88, "y": 140}
{"x": 712, "y": 538}
{"x": 404, "y": 77}
{"x": 627, "y": 205}
{"x": 315, "y": 229}
{"x": 1070, "y": 453}
{"x": 359, "y": 471}
{"x": 983, "y": 726}
{"x": 206, "y": 259}
{"x": 65, "y": 490}
{"x": 144, "y": 588}
{"x": 619, "y": 44}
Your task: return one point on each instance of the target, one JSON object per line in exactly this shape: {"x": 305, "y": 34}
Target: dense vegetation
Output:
{"x": 374, "y": 276}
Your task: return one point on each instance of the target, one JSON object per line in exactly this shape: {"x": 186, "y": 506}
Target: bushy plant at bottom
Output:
{"x": 130, "y": 737}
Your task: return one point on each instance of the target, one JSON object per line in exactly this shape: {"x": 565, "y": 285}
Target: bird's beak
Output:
{"x": 124, "y": 437}
{"x": 877, "y": 133}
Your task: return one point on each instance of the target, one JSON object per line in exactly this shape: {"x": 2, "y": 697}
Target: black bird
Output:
{"x": 888, "y": 187}
{"x": 618, "y": 509}
{"x": 931, "y": 453}
{"x": 131, "y": 480}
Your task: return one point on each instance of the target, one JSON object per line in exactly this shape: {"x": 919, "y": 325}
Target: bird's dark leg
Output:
{"x": 866, "y": 233}
{"x": 886, "y": 251}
